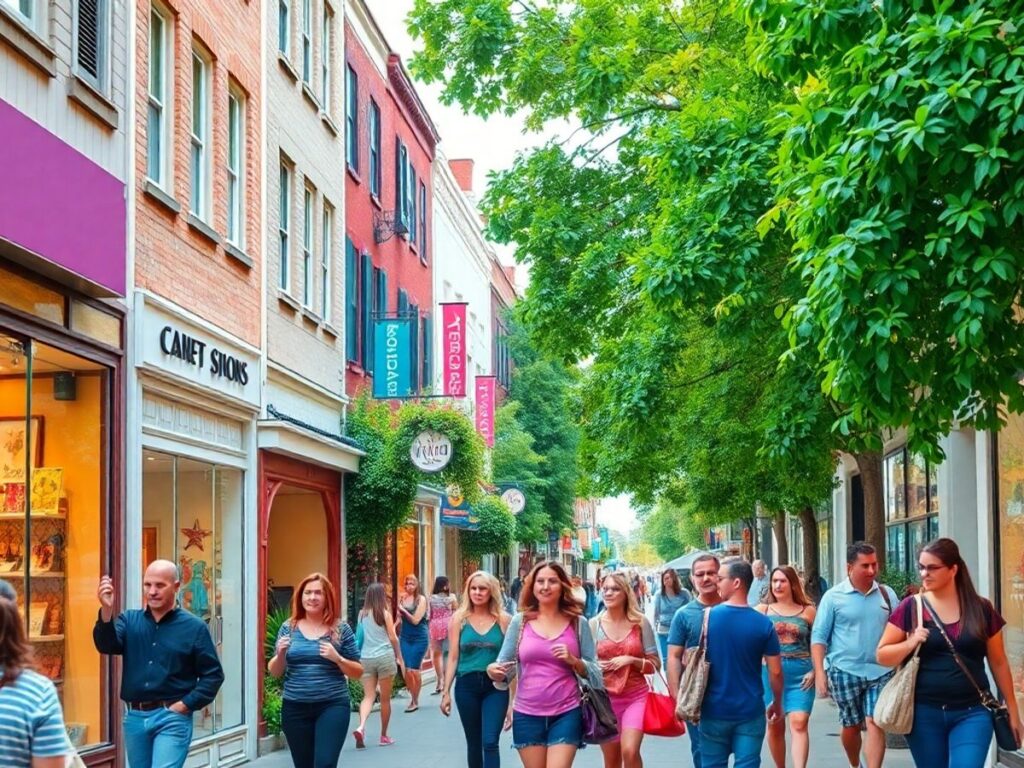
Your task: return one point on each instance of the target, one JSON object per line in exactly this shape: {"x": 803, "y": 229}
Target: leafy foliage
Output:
{"x": 497, "y": 530}
{"x": 514, "y": 460}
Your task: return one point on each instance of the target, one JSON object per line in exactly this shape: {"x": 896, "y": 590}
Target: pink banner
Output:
{"x": 453, "y": 349}
{"x": 485, "y": 390}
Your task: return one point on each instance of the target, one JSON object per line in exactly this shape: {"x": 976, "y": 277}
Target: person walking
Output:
{"x": 626, "y": 650}
{"x": 507, "y": 603}
{"x": 380, "y": 656}
{"x": 759, "y": 589}
{"x": 517, "y": 584}
{"x": 792, "y": 614}
{"x": 413, "y": 637}
{"x": 684, "y": 632}
{"x": 441, "y": 604}
{"x": 32, "y": 733}
{"x": 670, "y": 598}
{"x": 316, "y": 653}
{"x": 850, "y": 621}
{"x": 547, "y": 648}
{"x": 733, "y": 714}
{"x": 162, "y": 683}
{"x": 951, "y": 729}
{"x": 478, "y": 627}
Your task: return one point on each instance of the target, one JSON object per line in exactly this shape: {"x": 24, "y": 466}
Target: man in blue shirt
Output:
{"x": 850, "y": 621}
{"x": 170, "y": 667}
{"x": 760, "y": 585}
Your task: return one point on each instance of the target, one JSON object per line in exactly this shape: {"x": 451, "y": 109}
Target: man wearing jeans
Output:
{"x": 170, "y": 668}
{"x": 733, "y": 718}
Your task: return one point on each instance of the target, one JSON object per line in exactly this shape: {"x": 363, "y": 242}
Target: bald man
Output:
{"x": 170, "y": 667}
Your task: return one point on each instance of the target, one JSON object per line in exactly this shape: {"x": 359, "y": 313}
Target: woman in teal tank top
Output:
{"x": 480, "y": 625}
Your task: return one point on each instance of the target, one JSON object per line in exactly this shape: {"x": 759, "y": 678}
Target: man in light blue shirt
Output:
{"x": 850, "y": 621}
{"x": 760, "y": 585}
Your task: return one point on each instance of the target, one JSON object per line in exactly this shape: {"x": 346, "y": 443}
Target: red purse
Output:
{"x": 660, "y": 714}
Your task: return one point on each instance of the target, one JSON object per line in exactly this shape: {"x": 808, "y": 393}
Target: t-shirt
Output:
{"x": 738, "y": 638}
{"x": 547, "y": 685}
{"x": 31, "y": 724}
{"x": 686, "y": 624}
{"x": 940, "y": 681}
{"x": 309, "y": 676}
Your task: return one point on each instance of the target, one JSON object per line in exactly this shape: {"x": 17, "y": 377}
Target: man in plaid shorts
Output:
{"x": 850, "y": 621}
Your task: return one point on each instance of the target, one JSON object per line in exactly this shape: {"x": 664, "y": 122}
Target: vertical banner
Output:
{"x": 485, "y": 390}
{"x": 392, "y": 358}
{"x": 453, "y": 349}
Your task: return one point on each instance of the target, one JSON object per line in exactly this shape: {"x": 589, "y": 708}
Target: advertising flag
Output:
{"x": 485, "y": 391}
{"x": 453, "y": 317}
{"x": 392, "y": 358}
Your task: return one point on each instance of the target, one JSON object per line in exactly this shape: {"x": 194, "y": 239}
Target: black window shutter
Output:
{"x": 88, "y": 33}
{"x": 382, "y": 291}
{"x": 428, "y": 352}
{"x": 351, "y": 302}
{"x": 399, "y": 187}
{"x": 414, "y": 326}
{"x": 367, "y": 307}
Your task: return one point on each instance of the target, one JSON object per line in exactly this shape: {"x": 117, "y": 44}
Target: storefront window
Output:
{"x": 192, "y": 515}
{"x": 54, "y": 444}
{"x": 1010, "y": 468}
{"x": 912, "y": 505}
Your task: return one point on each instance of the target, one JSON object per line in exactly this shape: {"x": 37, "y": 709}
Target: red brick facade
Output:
{"x": 174, "y": 258}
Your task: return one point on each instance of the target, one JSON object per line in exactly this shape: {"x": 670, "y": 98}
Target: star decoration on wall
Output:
{"x": 195, "y": 536}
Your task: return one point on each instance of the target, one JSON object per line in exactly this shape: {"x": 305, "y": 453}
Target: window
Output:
{"x": 307, "y": 41}
{"x": 307, "y": 247}
{"x": 411, "y": 205}
{"x": 911, "y": 507}
{"x": 200, "y": 151}
{"x": 366, "y": 309}
{"x": 351, "y": 119}
{"x": 401, "y": 181}
{"x": 236, "y": 156}
{"x": 326, "y": 259}
{"x": 375, "y": 174}
{"x": 157, "y": 118}
{"x": 325, "y": 61}
{"x": 283, "y": 30}
{"x": 423, "y": 222}
{"x": 24, "y": 8}
{"x": 92, "y": 39}
{"x": 284, "y": 220}
{"x": 351, "y": 302}
{"x": 427, "y": 332}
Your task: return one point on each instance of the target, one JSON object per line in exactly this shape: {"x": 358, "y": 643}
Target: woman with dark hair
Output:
{"x": 952, "y": 729}
{"x": 792, "y": 614}
{"x": 547, "y": 648}
{"x": 413, "y": 637}
{"x": 316, "y": 653}
{"x": 442, "y": 603}
{"x": 670, "y": 598}
{"x": 381, "y": 656}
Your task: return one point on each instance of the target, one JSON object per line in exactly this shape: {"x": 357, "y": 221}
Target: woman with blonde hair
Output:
{"x": 316, "y": 653}
{"x": 626, "y": 650}
{"x": 477, "y": 630}
{"x": 381, "y": 657}
{"x": 413, "y": 637}
{"x": 792, "y": 614}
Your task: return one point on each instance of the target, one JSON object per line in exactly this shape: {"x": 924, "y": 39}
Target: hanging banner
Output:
{"x": 392, "y": 358}
{"x": 605, "y": 539}
{"x": 456, "y": 512}
{"x": 595, "y": 548}
{"x": 453, "y": 349}
{"x": 485, "y": 390}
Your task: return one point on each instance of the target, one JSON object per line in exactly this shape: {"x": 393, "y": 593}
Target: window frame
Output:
{"x": 308, "y": 246}
{"x": 236, "y": 200}
{"x": 284, "y": 255}
{"x": 423, "y": 222}
{"x": 160, "y": 102}
{"x": 284, "y": 28}
{"x": 900, "y": 524}
{"x": 376, "y": 177}
{"x": 101, "y": 80}
{"x": 351, "y": 119}
{"x": 200, "y": 188}
{"x": 326, "y": 38}
{"x": 29, "y": 19}
{"x": 411, "y": 191}
{"x": 326, "y": 260}
{"x": 307, "y": 42}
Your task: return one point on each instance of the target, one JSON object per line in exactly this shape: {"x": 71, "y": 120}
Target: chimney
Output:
{"x": 463, "y": 172}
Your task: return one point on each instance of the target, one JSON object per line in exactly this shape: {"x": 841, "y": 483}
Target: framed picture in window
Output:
{"x": 19, "y": 442}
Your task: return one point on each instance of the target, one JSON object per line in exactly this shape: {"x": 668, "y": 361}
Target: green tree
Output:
{"x": 513, "y": 460}
{"x": 496, "y": 533}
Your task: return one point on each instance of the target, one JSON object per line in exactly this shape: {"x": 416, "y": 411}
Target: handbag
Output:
{"x": 694, "y": 681}
{"x": 894, "y": 710}
{"x": 599, "y": 722}
{"x": 660, "y": 714}
{"x": 1005, "y": 737}
{"x": 360, "y": 635}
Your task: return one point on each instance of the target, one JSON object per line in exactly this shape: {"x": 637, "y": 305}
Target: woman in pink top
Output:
{"x": 626, "y": 650}
{"x": 547, "y": 648}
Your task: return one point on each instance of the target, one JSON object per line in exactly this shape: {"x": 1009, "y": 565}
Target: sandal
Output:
{"x": 358, "y": 735}
{"x": 386, "y": 741}
{"x": 412, "y": 708}
{"x": 437, "y": 692}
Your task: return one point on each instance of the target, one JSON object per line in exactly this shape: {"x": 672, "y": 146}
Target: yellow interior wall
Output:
{"x": 298, "y": 538}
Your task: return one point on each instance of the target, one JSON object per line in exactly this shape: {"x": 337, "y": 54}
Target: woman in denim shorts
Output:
{"x": 547, "y": 649}
{"x": 380, "y": 656}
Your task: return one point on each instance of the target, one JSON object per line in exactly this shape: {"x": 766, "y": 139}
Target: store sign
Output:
{"x": 392, "y": 358}
{"x": 430, "y": 451}
{"x": 177, "y": 343}
{"x": 514, "y": 499}
{"x": 485, "y": 391}
{"x": 456, "y": 513}
{"x": 453, "y": 317}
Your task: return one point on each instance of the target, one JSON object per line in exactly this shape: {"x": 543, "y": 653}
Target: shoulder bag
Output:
{"x": 694, "y": 681}
{"x": 894, "y": 710}
{"x": 1005, "y": 737}
{"x": 660, "y": 714}
{"x": 599, "y": 722}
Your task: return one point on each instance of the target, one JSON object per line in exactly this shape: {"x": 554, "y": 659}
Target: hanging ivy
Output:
{"x": 497, "y": 531}
{"x": 467, "y": 463}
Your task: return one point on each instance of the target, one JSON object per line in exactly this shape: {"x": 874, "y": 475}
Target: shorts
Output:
{"x": 629, "y": 710}
{"x": 794, "y": 698}
{"x": 380, "y": 666}
{"x": 855, "y": 696}
{"x": 547, "y": 730}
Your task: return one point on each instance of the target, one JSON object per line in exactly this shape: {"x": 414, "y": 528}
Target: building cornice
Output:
{"x": 406, "y": 95}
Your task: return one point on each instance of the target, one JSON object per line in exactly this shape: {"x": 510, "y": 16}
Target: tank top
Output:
{"x": 628, "y": 679}
{"x": 411, "y": 633}
{"x": 794, "y": 633}
{"x": 376, "y": 642}
{"x": 440, "y": 614}
{"x": 476, "y": 651}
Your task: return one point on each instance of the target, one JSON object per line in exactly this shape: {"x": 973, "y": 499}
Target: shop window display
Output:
{"x": 54, "y": 444}
{"x": 912, "y": 507}
{"x": 1010, "y": 469}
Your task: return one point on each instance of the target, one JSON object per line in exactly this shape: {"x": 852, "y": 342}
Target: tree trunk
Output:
{"x": 870, "y": 465}
{"x": 779, "y": 527}
{"x": 812, "y": 570}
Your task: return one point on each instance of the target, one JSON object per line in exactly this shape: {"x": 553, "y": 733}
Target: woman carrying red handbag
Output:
{"x": 627, "y": 649}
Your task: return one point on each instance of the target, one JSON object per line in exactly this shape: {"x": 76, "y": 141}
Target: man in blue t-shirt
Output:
{"x": 733, "y": 718}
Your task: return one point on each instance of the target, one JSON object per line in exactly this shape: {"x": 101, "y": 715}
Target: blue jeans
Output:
{"x": 663, "y": 647}
{"x": 315, "y": 730}
{"x": 950, "y": 738}
{"x": 693, "y": 731}
{"x": 159, "y": 738}
{"x": 482, "y": 709}
{"x": 740, "y": 738}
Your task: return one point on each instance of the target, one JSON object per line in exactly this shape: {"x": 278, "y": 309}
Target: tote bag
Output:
{"x": 695, "y": 679}
{"x": 660, "y": 714}
{"x": 894, "y": 711}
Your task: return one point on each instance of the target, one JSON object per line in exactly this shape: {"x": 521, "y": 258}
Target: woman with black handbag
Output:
{"x": 955, "y": 714}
